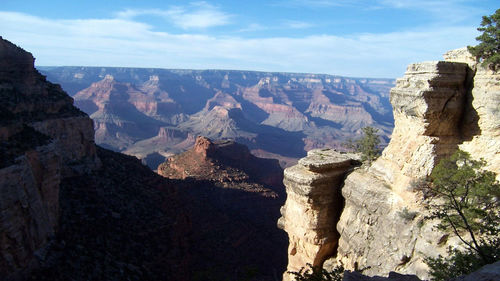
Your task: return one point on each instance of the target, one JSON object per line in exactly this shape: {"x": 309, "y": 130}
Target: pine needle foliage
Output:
{"x": 466, "y": 200}
{"x": 488, "y": 50}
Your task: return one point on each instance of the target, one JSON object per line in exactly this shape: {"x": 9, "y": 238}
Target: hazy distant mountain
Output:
{"x": 152, "y": 113}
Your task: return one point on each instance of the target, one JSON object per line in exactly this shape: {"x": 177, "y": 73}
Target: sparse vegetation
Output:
{"x": 318, "y": 274}
{"x": 466, "y": 200}
{"x": 407, "y": 214}
{"x": 367, "y": 145}
{"x": 488, "y": 51}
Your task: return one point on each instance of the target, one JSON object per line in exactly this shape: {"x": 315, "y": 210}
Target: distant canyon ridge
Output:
{"x": 155, "y": 113}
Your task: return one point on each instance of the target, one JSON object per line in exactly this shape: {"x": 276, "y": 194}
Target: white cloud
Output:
{"x": 253, "y": 27}
{"x": 319, "y": 3}
{"x": 297, "y": 24}
{"x": 443, "y": 10}
{"x": 194, "y": 15}
{"x": 126, "y": 42}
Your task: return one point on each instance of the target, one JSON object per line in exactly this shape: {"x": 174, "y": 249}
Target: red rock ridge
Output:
{"x": 228, "y": 163}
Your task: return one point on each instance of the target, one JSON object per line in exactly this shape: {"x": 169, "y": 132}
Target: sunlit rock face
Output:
{"x": 313, "y": 206}
{"x": 438, "y": 107}
{"x": 428, "y": 105}
{"x": 481, "y": 126}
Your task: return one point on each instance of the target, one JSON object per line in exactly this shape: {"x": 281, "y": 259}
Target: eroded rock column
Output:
{"x": 313, "y": 206}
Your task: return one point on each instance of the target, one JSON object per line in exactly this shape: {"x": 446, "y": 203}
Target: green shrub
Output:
{"x": 460, "y": 263}
{"x": 466, "y": 200}
{"x": 407, "y": 214}
{"x": 318, "y": 274}
{"x": 367, "y": 145}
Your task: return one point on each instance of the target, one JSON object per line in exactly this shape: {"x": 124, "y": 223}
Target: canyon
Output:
{"x": 370, "y": 217}
{"x": 155, "y": 113}
{"x": 72, "y": 210}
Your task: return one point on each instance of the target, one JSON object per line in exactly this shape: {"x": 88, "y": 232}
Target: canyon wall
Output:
{"x": 43, "y": 139}
{"x": 131, "y": 107}
{"x": 438, "y": 107}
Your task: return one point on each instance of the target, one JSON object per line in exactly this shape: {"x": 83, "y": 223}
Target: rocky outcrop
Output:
{"x": 486, "y": 273}
{"x": 438, "y": 107}
{"x": 480, "y": 126}
{"x": 43, "y": 139}
{"x": 313, "y": 206}
{"x": 428, "y": 106}
{"x": 227, "y": 163}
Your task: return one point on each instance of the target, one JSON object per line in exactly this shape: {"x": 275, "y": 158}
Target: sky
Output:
{"x": 355, "y": 38}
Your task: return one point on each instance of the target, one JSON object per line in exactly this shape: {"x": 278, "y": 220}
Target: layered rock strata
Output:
{"x": 313, "y": 206}
{"x": 43, "y": 138}
{"x": 428, "y": 106}
{"x": 438, "y": 107}
{"x": 480, "y": 126}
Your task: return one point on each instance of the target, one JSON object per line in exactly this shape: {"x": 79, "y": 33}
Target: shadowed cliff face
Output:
{"x": 125, "y": 222}
{"x": 43, "y": 139}
{"x": 248, "y": 191}
{"x": 131, "y": 106}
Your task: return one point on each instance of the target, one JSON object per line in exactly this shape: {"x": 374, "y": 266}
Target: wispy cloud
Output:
{"x": 253, "y": 27}
{"x": 126, "y": 42}
{"x": 443, "y": 10}
{"x": 319, "y": 3}
{"x": 297, "y": 24}
{"x": 194, "y": 15}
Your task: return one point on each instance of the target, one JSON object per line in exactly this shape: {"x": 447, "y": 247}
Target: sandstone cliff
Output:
{"x": 44, "y": 139}
{"x": 438, "y": 107}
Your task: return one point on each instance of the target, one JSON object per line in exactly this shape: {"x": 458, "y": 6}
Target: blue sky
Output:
{"x": 357, "y": 38}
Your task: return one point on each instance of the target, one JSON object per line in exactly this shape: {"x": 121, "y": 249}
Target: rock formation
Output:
{"x": 227, "y": 163}
{"x": 257, "y": 109}
{"x": 480, "y": 127}
{"x": 438, "y": 108}
{"x": 44, "y": 139}
{"x": 313, "y": 206}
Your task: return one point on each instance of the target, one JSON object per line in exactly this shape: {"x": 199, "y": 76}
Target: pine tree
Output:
{"x": 466, "y": 200}
{"x": 368, "y": 144}
{"x": 488, "y": 51}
